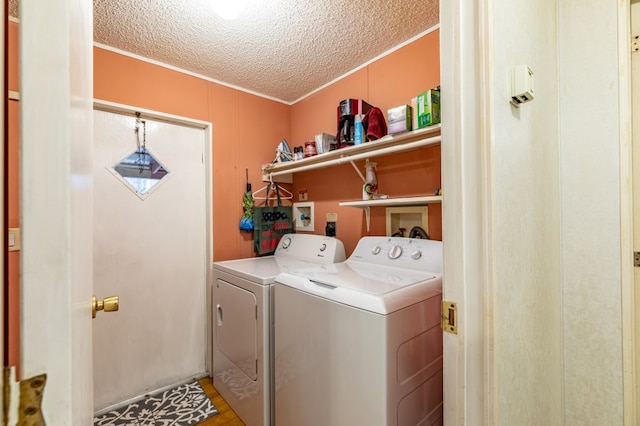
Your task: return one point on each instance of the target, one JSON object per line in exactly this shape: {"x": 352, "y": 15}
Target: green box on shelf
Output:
{"x": 428, "y": 108}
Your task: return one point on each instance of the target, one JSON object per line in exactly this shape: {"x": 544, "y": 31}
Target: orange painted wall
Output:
{"x": 389, "y": 82}
{"x": 246, "y": 130}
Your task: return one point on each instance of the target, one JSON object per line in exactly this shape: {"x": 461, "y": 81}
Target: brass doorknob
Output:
{"x": 108, "y": 304}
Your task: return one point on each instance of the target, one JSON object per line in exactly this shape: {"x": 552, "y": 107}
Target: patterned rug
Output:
{"x": 181, "y": 406}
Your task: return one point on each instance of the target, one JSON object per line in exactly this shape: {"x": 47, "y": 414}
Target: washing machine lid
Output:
{"x": 366, "y": 286}
{"x": 294, "y": 251}
{"x": 260, "y": 270}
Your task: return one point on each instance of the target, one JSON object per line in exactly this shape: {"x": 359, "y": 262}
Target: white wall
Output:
{"x": 558, "y": 331}
{"x": 547, "y": 272}
{"x": 526, "y": 205}
{"x": 590, "y": 171}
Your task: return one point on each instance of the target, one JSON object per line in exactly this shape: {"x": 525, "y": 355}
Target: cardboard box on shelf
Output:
{"x": 399, "y": 119}
{"x": 414, "y": 115}
{"x": 325, "y": 143}
{"x": 428, "y": 107}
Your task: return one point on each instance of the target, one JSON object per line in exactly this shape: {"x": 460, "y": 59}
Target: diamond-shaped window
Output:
{"x": 141, "y": 171}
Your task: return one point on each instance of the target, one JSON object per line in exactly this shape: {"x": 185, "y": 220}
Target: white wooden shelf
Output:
{"x": 389, "y": 144}
{"x": 404, "y": 201}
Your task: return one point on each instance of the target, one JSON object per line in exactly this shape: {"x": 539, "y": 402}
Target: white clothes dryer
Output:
{"x": 359, "y": 342}
{"x": 242, "y": 321}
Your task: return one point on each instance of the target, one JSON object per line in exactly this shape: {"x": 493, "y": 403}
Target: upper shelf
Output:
{"x": 386, "y": 145}
{"x": 404, "y": 201}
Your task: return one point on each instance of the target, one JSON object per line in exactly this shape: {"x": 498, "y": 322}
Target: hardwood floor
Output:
{"x": 226, "y": 416}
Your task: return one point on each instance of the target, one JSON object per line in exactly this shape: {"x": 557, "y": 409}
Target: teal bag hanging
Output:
{"x": 270, "y": 223}
{"x": 246, "y": 224}
{"x": 246, "y": 221}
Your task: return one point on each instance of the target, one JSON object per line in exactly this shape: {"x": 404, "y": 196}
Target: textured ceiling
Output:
{"x": 282, "y": 49}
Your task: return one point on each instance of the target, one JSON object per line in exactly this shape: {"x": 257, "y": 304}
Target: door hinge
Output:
{"x": 22, "y": 400}
{"x": 636, "y": 258}
{"x": 448, "y": 318}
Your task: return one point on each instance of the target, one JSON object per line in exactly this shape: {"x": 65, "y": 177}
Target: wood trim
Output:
{"x": 628, "y": 297}
{"x": 468, "y": 393}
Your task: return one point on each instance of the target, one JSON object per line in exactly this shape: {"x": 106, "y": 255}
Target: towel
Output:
{"x": 375, "y": 124}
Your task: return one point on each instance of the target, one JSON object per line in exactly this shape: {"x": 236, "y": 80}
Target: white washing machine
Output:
{"x": 242, "y": 321}
{"x": 359, "y": 342}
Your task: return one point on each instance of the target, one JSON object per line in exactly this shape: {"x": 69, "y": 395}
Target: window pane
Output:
{"x": 141, "y": 170}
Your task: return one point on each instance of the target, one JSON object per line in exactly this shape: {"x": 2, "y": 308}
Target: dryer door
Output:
{"x": 237, "y": 326}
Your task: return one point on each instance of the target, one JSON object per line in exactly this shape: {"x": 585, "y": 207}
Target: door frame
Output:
{"x": 630, "y": 315}
{"x": 467, "y": 215}
{"x": 5, "y": 124}
{"x": 207, "y": 126}
{"x": 56, "y": 92}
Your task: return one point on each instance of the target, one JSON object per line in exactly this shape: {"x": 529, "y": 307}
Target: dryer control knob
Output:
{"x": 323, "y": 247}
{"x": 416, "y": 255}
{"x": 375, "y": 250}
{"x": 286, "y": 242}
{"x": 395, "y": 252}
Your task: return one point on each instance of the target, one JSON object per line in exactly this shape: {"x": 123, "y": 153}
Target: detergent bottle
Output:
{"x": 359, "y": 130}
{"x": 370, "y": 187}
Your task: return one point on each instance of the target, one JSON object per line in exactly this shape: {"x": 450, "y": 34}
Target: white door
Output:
{"x": 56, "y": 77}
{"x": 150, "y": 250}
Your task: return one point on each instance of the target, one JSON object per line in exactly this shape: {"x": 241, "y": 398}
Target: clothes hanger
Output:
{"x": 285, "y": 194}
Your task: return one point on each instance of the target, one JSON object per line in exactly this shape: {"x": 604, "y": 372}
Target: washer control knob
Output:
{"x": 323, "y": 247}
{"x": 395, "y": 252}
{"x": 375, "y": 250}
{"x": 416, "y": 255}
{"x": 286, "y": 242}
